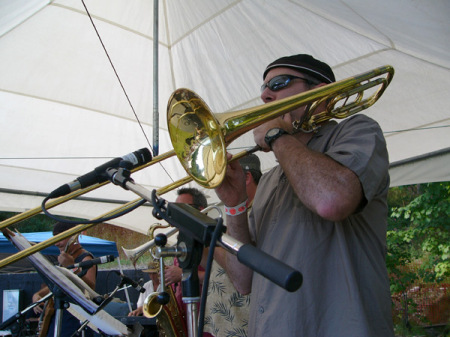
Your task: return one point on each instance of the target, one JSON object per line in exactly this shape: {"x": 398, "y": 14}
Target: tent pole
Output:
{"x": 155, "y": 79}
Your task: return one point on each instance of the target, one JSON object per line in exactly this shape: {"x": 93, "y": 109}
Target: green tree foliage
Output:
{"x": 419, "y": 234}
{"x": 38, "y": 223}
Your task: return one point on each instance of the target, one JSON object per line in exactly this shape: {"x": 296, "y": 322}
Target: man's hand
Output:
{"x": 65, "y": 259}
{"x": 138, "y": 312}
{"x": 284, "y": 122}
{"x": 172, "y": 274}
{"x": 38, "y": 308}
{"x": 232, "y": 191}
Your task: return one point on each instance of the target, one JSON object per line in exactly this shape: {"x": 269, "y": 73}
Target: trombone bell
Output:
{"x": 197, "y": 138}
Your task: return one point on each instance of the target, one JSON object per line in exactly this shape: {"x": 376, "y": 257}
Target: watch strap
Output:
{"x": 269, "y": 139}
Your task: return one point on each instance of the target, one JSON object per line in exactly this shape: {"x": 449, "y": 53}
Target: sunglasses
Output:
{"x": 282, "y": 81}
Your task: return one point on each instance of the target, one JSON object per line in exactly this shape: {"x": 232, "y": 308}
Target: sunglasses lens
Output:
{"x": 277, "y": 83}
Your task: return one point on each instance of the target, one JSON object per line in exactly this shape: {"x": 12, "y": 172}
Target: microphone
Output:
{"x": 134, "y": 284}
{"x": 98, "y": 175}
{"x": 88, "y": 264}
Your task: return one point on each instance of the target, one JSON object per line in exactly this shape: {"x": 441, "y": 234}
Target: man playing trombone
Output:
{"x": 321, "y": 210}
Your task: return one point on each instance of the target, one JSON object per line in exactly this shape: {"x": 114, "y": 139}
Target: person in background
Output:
{"x": 71, "y": 252}
{"x": 173, "y": 273}
{"x": 227, "y": 310}
{"x": 322, "y": 210}
{"x": 150, "y": 286}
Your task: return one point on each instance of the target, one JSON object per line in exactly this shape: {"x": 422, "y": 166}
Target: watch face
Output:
{"x": 272, "y": 132}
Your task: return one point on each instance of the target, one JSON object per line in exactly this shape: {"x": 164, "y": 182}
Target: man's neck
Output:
{"x": 251, "y": 190}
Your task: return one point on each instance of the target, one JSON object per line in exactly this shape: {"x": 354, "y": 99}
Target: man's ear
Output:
{"x": 319, "y": 85}
{"x": 248, "y": 177}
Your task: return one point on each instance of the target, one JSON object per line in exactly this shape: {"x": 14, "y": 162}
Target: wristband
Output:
{"x": 236, "y": 210}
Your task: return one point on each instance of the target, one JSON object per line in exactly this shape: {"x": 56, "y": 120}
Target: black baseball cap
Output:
{"x": 305, "y": 64}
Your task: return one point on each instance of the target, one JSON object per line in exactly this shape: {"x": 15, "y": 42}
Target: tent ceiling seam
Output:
{"x": 169, "y": 46}
{"x": 418, "y": 128}
{"x": 80, "y": 198}
{"x": 187, "y": 33}
{"x": 332, "y": 19}
{"x": 37, "y": 170}
{"x": 77, "y": 106}
{"x": 24, "y": 20}
{"x": 166, "y": 21}
{"x": 151, "y": 187}
{"x": 392, "y": 44}
{"x": 109, "y": 23}
{"x": 426, "y": 156}
{"x": 362, "y": 57}
{"x": 396, "y": 50}
{"x": 392, "y": 47}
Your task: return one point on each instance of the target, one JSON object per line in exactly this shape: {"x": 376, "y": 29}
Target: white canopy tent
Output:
{"x": 64, "y": 111}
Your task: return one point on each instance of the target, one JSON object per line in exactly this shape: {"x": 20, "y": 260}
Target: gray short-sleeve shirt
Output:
{"x": 345, "y": 289}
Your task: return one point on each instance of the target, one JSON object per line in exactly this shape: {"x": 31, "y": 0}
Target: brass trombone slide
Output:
{"x": 58, "y": 201}
{"x": 80, "y": 228}
{"x": 200, "y": 137}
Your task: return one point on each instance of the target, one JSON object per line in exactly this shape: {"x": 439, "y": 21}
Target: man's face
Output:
{"x": 185, "y": 198}
{"x": 295, "y": 87}
{"x": 62, "y": 244}
{"x": 154, "y": 277}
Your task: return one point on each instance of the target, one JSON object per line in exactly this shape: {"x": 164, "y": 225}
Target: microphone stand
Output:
{"x": 60, "y": 303}
{"x": 195, "y": 232}
{"x": 20, "y": 314}
{"x": 189, "y": 253}
{"x": 103, "y": 303}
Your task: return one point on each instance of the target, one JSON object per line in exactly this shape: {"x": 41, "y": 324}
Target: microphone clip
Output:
{"x": 122, "y": 175}
{"x": 125, "y": 280}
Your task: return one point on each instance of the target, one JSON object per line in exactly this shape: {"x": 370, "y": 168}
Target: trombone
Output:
{"x": 134, "y": 254}
{"x": 200, "y": 137}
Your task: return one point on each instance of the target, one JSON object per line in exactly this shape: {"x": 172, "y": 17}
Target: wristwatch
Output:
{"x": 273, "y": 134}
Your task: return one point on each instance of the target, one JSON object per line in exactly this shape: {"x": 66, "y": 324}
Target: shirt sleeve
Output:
{"x": 359, "y": 144}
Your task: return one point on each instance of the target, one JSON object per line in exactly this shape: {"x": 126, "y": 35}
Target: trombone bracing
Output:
{"x": 200, "y": 138}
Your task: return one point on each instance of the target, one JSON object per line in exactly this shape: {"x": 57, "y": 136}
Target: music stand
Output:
{"x": 69, "y": 288}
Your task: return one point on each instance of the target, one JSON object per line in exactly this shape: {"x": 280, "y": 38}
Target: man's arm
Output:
{"x": 233, "y": 192}
{"x": 65, "y": 259}
{"x": 37, "y": 296}
{"x": 240, "y": 275}
{"x": 326, "y": 187}
{"x": 173, "y": 274}
{"x": 91, "y": 276}
{"x": 323, "y": 185}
